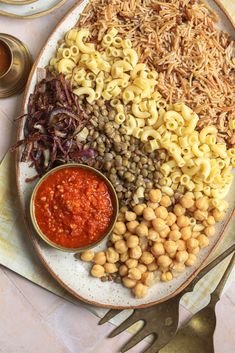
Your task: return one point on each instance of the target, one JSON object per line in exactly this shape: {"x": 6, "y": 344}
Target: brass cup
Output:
{"x": 114, "y": 200}
{"x": 15, "y": 78}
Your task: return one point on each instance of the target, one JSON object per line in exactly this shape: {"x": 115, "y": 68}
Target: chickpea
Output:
{"x": 99, "y": 258}
{"x": 175, "y": 227}
{"x": 142, "y": 230}
{"x": 158, "y": 249}
{"x": 124, "y": 257}
{"x": 140, "y": 290}
{"x": 165, "y": 201}
{"x": 158, "y": 224}
{"x": 143, "y": 243}
{"x": 174, "y": 235}
{"x": 138, "y": 209}
{"x": 190, "y": 194}
{"x": 121, "y": 217}
{"x": 192, "y": 209}
{"x": 186, "y": 233}
{"x": 164, "y": 233}
{"x": 142, "y": 268}
{"x": 170, "y": 246}
{"x": 146, "y": 223}
{"x": 87, "y": 255}
{"x": 186, "y": 201}
{"x": 171, "y": 219}
{"x": 153, "y": 235}
{"x": 195, "y": 234}
{"x": 97, "y": 271}
{"x": 123, "y": 209}
{"x": 130, "y": 216}
{"x": 164, "y": 261}
{"x": 112, "y": 256}
{"x": 135, "y": 253}
{"x": 161, "y": 212}
{"x": 192, "y": 243}
{"x": 123, "y": 270}
{"x": 210, "y": 221}
{"x": 146, "y": 257}
{"x": 155, "y": 195}
{"x": 134, "y": 273}
{"x": 127, "y": 235}
{"x": 182, "y": 221}
{"x": 166, "y": 276}
{"x": 178, "y": 267}
{"x": 191, "y": 260}
{"x": 181, "y": 256}
{"x": 149, "y": 214}
{"x": 132, "y": 241}
{"x": 181, "y": 244}
{"x": 148, "y": 278}
{"x": 194, "y": 251}
{"x": 172, "y": 255}
{"x": 131, "y": 263}
{"x": 202, "y": 203}
{"x": 200, "y": 215}
{"x": 203, "y": 241}
{"x": 178, "y": 210}
{"x": 110, "y": 268}
{"x": 121, "y": 246}
{"x": 209, "y": 231}
{"x": 132, "y": 225}
{"x": 120, "y": 228}
{"x": 218, "y": 216}
{"x": 128, "y": 282}
{"x": 153, "y": 205}
{"x": 115, "y": 237}
{"x": 152, "y": 267}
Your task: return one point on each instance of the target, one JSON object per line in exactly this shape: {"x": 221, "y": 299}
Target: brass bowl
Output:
{"x": 114, "y": 201}
{"x": 14, "y": 80}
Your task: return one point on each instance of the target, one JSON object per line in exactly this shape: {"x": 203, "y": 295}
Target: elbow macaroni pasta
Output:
{"x": 195, "y": 161}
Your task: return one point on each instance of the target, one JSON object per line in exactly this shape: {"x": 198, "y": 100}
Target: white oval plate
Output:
{"x": 35, "y": 9}
{"x": 17, "y": 2}
{"x": 74, "y": 275}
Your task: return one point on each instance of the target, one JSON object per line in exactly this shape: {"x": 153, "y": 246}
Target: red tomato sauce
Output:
{"x": 73, "y": 207}
{"x": 5, "y": 59}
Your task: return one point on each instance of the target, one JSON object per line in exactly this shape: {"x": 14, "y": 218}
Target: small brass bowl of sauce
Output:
{"x": 74, "y": 207}
{"x": 15, "y": 65}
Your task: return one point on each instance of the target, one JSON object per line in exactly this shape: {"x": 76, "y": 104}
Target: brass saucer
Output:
{"x": 14, "y": 81}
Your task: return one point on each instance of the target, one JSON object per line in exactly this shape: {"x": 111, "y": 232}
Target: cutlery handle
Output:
{"x": 209, "y": 267}
{"x": 218, "y": 290}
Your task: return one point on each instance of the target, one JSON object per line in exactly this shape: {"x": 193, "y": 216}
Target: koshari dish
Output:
{"x": 143, "y": 91}
{"x": 73, "y": 207}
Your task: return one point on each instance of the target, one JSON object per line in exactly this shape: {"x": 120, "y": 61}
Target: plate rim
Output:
{"x": 26, "y": 217}
{"x": 36, "y": 15}
{"x": 14, "y": 2}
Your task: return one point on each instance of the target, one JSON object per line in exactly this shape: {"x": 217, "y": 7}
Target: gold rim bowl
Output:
{"x": 114, "y": 200}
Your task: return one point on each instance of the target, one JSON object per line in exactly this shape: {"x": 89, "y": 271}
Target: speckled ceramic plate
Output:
{"x": 74, "y": 275}
{"x": 29, "y": 9}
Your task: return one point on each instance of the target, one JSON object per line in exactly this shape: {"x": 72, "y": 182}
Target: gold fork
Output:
{"x": 161, "y": 320}
{"x": 197, "y": 335}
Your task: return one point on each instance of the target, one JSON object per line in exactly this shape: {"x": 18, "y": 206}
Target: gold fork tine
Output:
{"x": 108, "y": 316}
{"x": 133, "y": 318}
{"x": 139, "y": 336}
{"x": 153, "y": 348}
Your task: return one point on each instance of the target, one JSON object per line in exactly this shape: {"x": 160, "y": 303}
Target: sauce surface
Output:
{"x": 73, "y": 207}
{"x": 5, "y": 59}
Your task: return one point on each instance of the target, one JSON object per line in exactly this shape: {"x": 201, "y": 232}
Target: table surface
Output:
{"x": 34, "y": 320}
